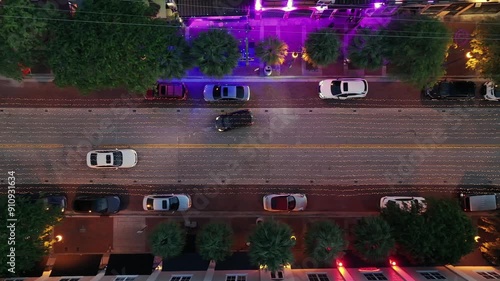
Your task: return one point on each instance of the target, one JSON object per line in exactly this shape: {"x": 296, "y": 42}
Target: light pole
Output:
{"x": 248, "y": 28}
{"x": 468, "y": 55}
{"x": 295, "y": 55}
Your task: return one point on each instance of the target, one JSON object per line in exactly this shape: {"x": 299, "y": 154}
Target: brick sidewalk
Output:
{"x": 84, "y": 235}
{"x": 129, "y": 235}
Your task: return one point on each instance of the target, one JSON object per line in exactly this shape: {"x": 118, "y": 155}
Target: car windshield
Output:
{"x": 216, "y": 92}
{"x": 174, "y": 203}
{"x": 93, "y": 159}
{"x": 291, "y": 202}
{"x": 240, "y": 92}
{"x": 100, "y": 205}
{"x": 335, "y": 87}
{"x": 467, "y": 203}
{"x": 117, "y": 158}
{"x": 83, "y": 205}
{"x": 149, "y": 203}
{"x": 496, "y": 91}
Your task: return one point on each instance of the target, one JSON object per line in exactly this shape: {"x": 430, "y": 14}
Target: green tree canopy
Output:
{"x": 324, "y": 241}
{"x": 23, "y": 29}
{"x": 417, "y": 48}
{"x": 111, "y": 44}
{"x": 167, "y": 240}
{"x": 215, "y": 241}
{"x": 440, "y": 235}
{"x": 373, "y": 239}
{"x": 486, "y": 49}
{"x": 272, "y": 51}
{"x": 321, "y": 47}
{"x": 271, "y": 245}
{"x": 33, "y": 230}
{"x": 366, "y": 49}
{"x": 215, "y": 52}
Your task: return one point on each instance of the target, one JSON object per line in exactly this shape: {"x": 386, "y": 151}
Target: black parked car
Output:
{"x": 233, "y": 120}
{"x": 97, "y": 204}
{"x": 55, "y": 202}
{"x": 457, "y": 90}
{"x": 50, "y": 201}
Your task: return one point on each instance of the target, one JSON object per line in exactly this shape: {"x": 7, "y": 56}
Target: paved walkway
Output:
{"x": 129, "y": 234}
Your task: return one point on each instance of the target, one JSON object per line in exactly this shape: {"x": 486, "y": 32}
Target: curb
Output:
{"x": 49, "y": 78}
{"x": 226, "y": 214}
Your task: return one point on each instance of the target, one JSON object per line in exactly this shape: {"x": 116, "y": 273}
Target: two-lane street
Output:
{"x": 285, "y": 146}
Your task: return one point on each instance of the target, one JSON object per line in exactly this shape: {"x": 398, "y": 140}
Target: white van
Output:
{"x": 478, "y": 203}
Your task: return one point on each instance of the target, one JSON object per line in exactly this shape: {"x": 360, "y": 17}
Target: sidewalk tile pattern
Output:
{"x": 84, "y": 235}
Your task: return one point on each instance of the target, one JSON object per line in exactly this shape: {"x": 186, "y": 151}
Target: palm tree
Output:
{"x": 167, "y": 240}
{"x": 176, "y": 59}
{"x": 214, "y": 241}
{"x": 271, "y": 245}
{"x": 321, "y": 47}
{"x": 272, "y": 51}
{"x": 324, "y": 241}
{"x": 373, "y": 239}
{"x": 215, "y": 52}
{"x": 366, "y": 50}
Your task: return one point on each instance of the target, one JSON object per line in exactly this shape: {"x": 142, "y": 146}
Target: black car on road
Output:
{"x": 233, "y": 120}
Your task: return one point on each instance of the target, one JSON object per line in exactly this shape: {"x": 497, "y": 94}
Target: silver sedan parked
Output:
{"x": 285, "y": 202}
{"x": 403, "y": 202}
{"x": 166, "y": 202}
{"x": 492, "y": 91}
{"x": 226, "y": 92}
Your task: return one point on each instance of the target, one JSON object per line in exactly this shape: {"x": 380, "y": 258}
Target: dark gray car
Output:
{"x": 97, "y": 204}
{"x": 233, "y": 120}
{"x": 456, "y": 90}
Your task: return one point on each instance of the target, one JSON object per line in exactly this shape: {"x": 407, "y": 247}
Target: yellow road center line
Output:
{"x": 262, "y": 146}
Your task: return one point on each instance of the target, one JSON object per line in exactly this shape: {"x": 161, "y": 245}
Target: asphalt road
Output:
{"x": 299, "y": 93}
{"x": 302, "y": 147}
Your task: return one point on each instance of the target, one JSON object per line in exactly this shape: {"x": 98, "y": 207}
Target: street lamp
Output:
{"x": 468, "y": 55}
{"x": 295, "y": 55}
{"x": 59, "y": 238}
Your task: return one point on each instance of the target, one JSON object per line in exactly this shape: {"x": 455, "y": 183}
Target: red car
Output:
{"x": 167, "y": 91}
